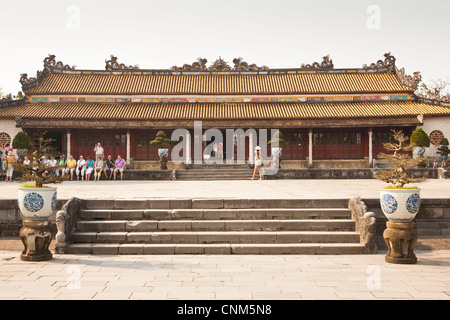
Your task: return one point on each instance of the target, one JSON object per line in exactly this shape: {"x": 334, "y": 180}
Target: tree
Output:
{"x": 38, "y": 170}
{"x": 161, "y": 140}
{"x": 400, "y": 161}
{"x": 21, "y": 141}
{"x": 278, "y": 138}
{"x": 420, "y": 138}
{"x": 435, "y": 89}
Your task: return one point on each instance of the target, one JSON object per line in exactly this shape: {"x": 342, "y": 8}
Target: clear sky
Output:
{"x": 278, "y": 34}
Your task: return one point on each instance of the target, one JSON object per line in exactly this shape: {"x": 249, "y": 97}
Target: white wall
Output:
{"x": 9, "y": 126}
{"x": 435, "y": 123}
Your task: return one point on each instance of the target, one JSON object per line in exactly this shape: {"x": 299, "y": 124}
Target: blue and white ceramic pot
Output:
{"x": 163, "y": 153}
{"x": 400, "y": 205}
{"x": 276, "y": 152}
{"x": 418, "y": 151}
{"x": 37, "y": 203}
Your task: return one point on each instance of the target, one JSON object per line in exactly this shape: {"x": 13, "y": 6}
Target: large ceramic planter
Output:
{"x": 400, "y": 205}
{"x": 163, "y": 153}
{"x": 418, "y": 152}
{"x": 277, "y": 152}
{"x": 37, "y": 203}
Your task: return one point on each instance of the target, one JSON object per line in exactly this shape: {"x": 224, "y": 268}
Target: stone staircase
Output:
{"x": 215, "y": 226}
{"x": 216, "y": 172}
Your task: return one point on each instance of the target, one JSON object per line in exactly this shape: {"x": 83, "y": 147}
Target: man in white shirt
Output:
{"x": 81, "y": 168}
{"x": 99, "y": 152}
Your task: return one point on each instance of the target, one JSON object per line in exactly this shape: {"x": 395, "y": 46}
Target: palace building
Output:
{"x": 330, "y": 117}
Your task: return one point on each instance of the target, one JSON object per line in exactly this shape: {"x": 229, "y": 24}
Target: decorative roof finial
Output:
{"x": 112, "y": 64}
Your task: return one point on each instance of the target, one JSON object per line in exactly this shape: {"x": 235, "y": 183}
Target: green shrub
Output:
{"x": 161, "y": 140}
{"x": 278, "y": 136}
{"x": 420, "y": 138}
{"x": 21, "y": 141}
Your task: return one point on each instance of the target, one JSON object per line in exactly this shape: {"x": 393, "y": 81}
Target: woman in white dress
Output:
{"x": 258, "y": 163}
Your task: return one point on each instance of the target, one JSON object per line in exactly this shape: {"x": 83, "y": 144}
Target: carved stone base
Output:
{"x": 36, "y": 237}
{"x": 400, "y": 238}
{"x": 163, "y": 163}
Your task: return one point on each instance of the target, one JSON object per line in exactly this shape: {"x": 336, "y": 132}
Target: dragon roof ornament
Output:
{"x": 327, "y": 63}
{"x": 112, "y": 64}
{"x": 50, "y": 63}
{"x": 388, "y": 62}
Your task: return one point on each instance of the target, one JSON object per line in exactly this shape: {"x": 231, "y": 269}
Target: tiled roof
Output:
{"x": 207, "y": 84}
{"x": 149, "y": 111}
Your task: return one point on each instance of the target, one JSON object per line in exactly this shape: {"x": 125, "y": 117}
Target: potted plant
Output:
{"x": 420, "y": 140}
{"x": 399, "y": 203}
{"x": 163, "y": 143}
{"x": 444, "y": 151}
{"x": 279, "y": 142}
{"x": 37, "y": 200}
{"x": 21, "y": 143}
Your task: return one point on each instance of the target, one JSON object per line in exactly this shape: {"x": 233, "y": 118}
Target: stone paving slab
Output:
{"x": 210, "y": 277}
{"x": 209, "y": 190}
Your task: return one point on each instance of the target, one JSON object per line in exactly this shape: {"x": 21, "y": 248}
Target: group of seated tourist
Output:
{"x": 83, "y": 168}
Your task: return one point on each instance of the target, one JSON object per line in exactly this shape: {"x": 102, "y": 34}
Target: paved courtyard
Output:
{"x": 204, "y": 277}
{"x": 265, "y": 189}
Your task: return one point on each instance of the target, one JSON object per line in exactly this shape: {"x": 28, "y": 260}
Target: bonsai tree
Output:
{"x": 278, "y": 139}
{"x": 444, "y": 151}
{"x": 161, "y": 141}
{"x": 21, "y": 142}
{"x": 400, "y": 161}
{"x": 38, "y": 170}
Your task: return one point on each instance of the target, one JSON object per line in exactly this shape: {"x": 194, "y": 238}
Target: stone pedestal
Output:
{"x": 36, "y": 237}
{"x": 400, "y": 238}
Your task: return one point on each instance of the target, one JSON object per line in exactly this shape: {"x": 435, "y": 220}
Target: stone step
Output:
{"x": 217, "y": 203}
{"x": 215, "y": 214}
{"x": 218, "y": 225}
{"x": 242, "y": 248}
{"x": 210, "y": 237}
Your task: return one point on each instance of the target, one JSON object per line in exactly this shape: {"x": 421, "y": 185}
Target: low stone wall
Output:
{"x": 11, "y": 218}
{"x": 316, "y": 173}
{"x": 432, "y": 220}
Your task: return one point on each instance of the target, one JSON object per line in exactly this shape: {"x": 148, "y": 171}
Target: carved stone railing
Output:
{"x": 365, "y": 224}
{"x": 66, "y": 220}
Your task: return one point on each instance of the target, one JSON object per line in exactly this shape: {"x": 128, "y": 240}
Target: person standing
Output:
{"x": 99, "y": 151}
{"x": 81, "y": 168}
{"x": 71, "y": 165}
{"x": 258, "y": 163}
{"x": 98, "y": 166}
{"x": 109, "y": 167}
{"x": 119, "y": 166}
{"x": 11, "y": 159}
{"x": 2, "y": 169}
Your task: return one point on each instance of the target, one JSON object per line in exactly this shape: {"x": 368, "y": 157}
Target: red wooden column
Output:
{"x": 310, "y": 148}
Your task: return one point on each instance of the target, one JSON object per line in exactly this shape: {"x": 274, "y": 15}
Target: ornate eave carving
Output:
{"x": 50, "y": 63}
{"x": 199, "y": 65}
{"x": 327, "y": 63}
{"x": 112, "y": 64}
{"x": 220, "y": 65}
{"x": 240, "y": 65}
{"x": 388, "y": 62}
{"x": 24, "y": 80}
{"x": 409, "y": 81}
